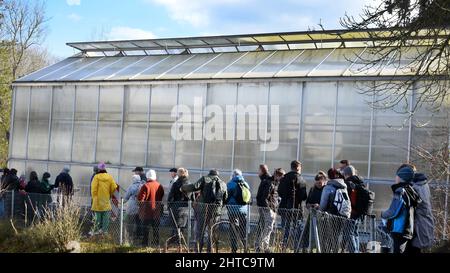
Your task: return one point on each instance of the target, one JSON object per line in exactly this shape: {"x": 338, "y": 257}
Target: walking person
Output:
{"x": 239, "y": 197}
{"x": 292, "y": 191}
{"x": 64, "y": 184}
{"x": 140, "y": 171}
{"x": 178, "y": 204}
{"x": 267, "y": 201}
{"x": 315, "y": 193}
{"x": 132, "y": 218}
{"x": 102, "y": 189}
{"x": 335, "y": 201}
{"x": 400, "y": 215}
{"x": 173, "y": 173}
{"x": 150, "y": 208}
{"x": 423, "y": 237}
{"x": 213, "y": 195}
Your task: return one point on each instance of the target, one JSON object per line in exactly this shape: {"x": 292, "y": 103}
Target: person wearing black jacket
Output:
{"x": 178, "y": 204}
{"x": 11, "y": 181}
{"x": 315, "y": 193}
{"x": 267, "y": 201}
{"x": 64, "y": 184}
{"x": 292, "y": 191}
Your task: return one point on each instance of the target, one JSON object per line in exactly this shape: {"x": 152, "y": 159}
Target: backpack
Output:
{"x": 243, "y": 195}
{"x": 214, "y": 191}
{"x": 364, "y": 200}
{"x": 340, "y": 204}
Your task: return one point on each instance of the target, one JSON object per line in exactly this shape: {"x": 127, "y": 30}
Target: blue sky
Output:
{"x": 86, "y": 20}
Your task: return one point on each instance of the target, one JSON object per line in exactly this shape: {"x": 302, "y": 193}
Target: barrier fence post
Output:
{"x": 189, "y": 225}
{"x": 12, "y": 205}
{"x": 316, "y": 232}
{"x": 121, "y": 222}
{"x": 247, "y": 229}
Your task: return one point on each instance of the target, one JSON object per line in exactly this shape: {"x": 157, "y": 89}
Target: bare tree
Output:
{"x": 24, "y": 26}
{"x": 22, "y": 30}
{"x": 414, "y": 36}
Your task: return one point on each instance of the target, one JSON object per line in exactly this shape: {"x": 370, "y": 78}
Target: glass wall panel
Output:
{"x": 287, "y": 96}
{"x": 38, "y": 167}
{"x": 430, "y": 136}
{"x": 161, "y": 143}
{"x": 19, "y": 165}
{"x": 353, "y": 127}
{"x": 109, "y": 124}
{"x": 134, "y": 143}
{"x": 251, "y": 126}
{"x": 389, "y": 140}
{"x": 189, "y": 150}
{"x": 39, "y": 122}
{"x": 85, "y": 121}
{"x": 62, "y": 115}
{"x": 218, "y": 148}
{"x": 317, "y": 127}
{"x": 19, "y": 137}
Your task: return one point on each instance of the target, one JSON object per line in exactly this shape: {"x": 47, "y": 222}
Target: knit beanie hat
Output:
{"x": 406, "y": 174}
{"x": 151, "y": 175}
{"x": 136, "y": 178}
{"x": 101, "y": 166}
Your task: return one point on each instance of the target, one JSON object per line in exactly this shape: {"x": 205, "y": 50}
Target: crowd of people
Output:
{"x": 339, "y": 191}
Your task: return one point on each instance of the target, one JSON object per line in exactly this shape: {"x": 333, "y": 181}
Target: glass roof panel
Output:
{"x": 274, "y": 64}
{"x": 265, "y": 39}
{"x": 216, "y": 41}
{"x": 215, "y": 66}
{"x": 324, "y": 36}
{"x": 362, "y": 67}
{"x": 92, "y": 68}
{"x": 155, "y": 71}
{"x": 192, "y": 42}
{"x": 113, "y": 68}
{"x": 402, "y": 63}
{"x": 243, "y": 40}
{"x": 305, "y": 63}
{"x": 296, "y": 37}
{"x": 146, "y": 44}
{"x": 167, "y": 43}
{"x": 243, "y": 65}
{"x": 133, "y": 69}
{"x": 189, "y": 66}
{"x": 71, "y": 68}
{"x": 337, "y": 62}
{"x": 355, "y": 35}
{"x": 49, "y": 69}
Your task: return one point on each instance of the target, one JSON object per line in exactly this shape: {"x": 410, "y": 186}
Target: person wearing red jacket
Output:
{"x": 150, "y": 207}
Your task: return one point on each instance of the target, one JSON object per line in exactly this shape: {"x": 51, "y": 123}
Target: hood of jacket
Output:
{"x": 355, "y": 179}
{"x": 338, "y": 183}
{"x": 237, "y": 178}
{"x": 420, "y": 178}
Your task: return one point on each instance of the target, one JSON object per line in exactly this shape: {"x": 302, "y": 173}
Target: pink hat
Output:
{"x": 101, "y": 166}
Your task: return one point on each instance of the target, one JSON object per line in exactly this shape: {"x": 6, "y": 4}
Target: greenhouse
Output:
{"x": 113, "y": 101}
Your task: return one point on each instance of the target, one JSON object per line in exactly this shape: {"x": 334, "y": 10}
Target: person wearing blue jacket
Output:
{"x": 133, "y": 222}
{"x": 237, "y": 212}
{"x": 400, "y": 215}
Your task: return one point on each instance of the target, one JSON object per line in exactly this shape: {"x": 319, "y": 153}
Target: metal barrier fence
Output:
{"x": 197, "y": 227}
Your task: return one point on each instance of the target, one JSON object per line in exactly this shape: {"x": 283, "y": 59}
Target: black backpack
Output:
{"x": 364, "y": 200}
{"x": 214, "y": 191}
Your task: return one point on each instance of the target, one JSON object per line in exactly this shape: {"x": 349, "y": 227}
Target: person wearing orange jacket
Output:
{"x": 150, "y": 207}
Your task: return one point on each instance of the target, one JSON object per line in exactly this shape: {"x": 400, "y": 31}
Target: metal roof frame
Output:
{"x": 236, "y": 41}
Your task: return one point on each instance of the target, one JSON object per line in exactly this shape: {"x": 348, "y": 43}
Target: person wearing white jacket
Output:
{"x": 132, "y": 211}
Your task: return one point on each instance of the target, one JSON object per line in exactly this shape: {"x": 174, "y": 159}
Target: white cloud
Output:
{"x": 244, "y": 16}
{"x": 128, "y": 33}
{"x": 73, "y": 2}
{"x": 74, "y": 17}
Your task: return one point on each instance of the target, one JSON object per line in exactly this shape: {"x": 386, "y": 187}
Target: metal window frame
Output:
{"x": 147, "y": 144}
{"x": 73, "y": 122}
{"x": 50, "y": 121}
{"x": 122, "y": 122}
{"x": 300, "y": 120}
{"x": 333, "y": 146}
{"x": 97, "y": 122}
